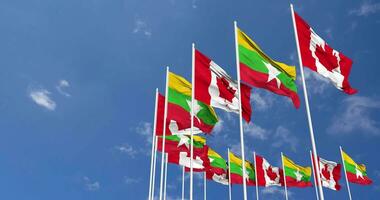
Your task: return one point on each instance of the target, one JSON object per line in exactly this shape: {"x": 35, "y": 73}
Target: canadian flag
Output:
{"x": 321, "y": 58}
{"x": 267, "y": 175}
{"x": 330, "y": 173}
{"x": 215, "y": 87}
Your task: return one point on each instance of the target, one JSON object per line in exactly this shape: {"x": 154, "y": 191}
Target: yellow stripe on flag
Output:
{"x": 212, "y": 153}
{"x": 349, "y": 160}
{"x": 290, "y": 164}
{"x": 249, "y": 44}
{"x": 238, "y": 161}
{"x": 179, "y": 84}
{"x": 199, "y": 139}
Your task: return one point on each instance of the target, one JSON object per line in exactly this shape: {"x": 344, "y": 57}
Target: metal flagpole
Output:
{"x": 257, "y": 183}
{"x": 229, "y": 175}
{"x": 315, "y": 181}
{"x": 154, "y": 166}
{"x": 204, "y": 186}
{"x": 240, "y": 113}
{"x": 164, "y": 133}
{"x": 307, "y": 106}
{"x": 345, "y": 173}
{"x": 192, "y": 119}
{"x": 283, "y": 168}
{"x": 183, "y": 182}
{"x": 166, "y": 174}
{"x": 153, "y": 147}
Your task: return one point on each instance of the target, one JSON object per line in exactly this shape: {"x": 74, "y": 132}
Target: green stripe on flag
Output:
{"x": 292, "y": 173}
{"x": 351, "y": 168}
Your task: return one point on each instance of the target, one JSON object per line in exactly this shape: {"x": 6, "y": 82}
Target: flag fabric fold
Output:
{"x": 267, "y": 175}
{"x": 215, "y": 87}
{"x": 236, "y": 171}
{"x": 218, "y": 168}
{"x": 330, "y": 173}
{"x": 259, "y": 70}
{"x": 356, "y": 173}
{"x": 318, "y": 56}
{"x": 296, "y": 175}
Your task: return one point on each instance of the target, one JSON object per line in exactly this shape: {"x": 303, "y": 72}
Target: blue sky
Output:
{"x": 78, "y": 78}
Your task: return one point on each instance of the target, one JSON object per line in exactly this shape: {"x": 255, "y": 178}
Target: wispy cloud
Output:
{"x": 366, "y": 8}
{"x": 255, "y": 131}
{"x": 261, "y": 101}
{"x": 316, "y": 83}
{"x": 130, "y": 180}
{"x": 272, "y": 191}
{"x": 283, "y": 136}
{"x": 62, "y": 85}
{"x": 42, "y": 98}
{"x": 355, "y": 114}
{"x": 194, "y": 4}
{"x": 218, "y": 128}
{"x": 142, "y": 28}
{"x": 127, "y": 149}
{"x": 145, "y": 129}
{"x": 91, "y": 185}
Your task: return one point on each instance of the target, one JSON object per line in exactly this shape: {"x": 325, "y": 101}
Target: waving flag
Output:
{"x": 330, "y": 174}
{"x": 179, "y": 108}
{"x": 355, "y": 173}
{"x": 296, "y": 175}
{"x": 236, "y": 170}
{"x": 267, "y": 175}
{"x": 320, "y": 57}
{"x": 178, "y": 149}
{"x": 259, "y": 70}
{"x": 218, "y": 168}
{"x": 215, "y": 87}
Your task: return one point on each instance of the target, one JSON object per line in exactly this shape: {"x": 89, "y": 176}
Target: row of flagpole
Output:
{"x": 162, "y": 191}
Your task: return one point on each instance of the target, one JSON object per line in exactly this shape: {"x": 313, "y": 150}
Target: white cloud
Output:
{"x": 62, "y": 84}
{"x": 275, "y": 191}
{"x": 129, "y": 180}
{"x": 356, "y": 115}
{"x": 41, "y": 97}
{"x": 283, "y": 137}
{"x": 218, "y": 127}
{"x": 261, "y": 100}
{"x": 127, "y": 149}
{"x": 91, "y": 185}
{"x": 256, "y": 131}
{"x": 142, "y": 27}
{"x": 145, "y": 129}
{"x": 315, "y": 83}
{"x": 366, "y": 8}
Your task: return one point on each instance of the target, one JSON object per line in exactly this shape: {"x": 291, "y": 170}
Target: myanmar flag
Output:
{"x": 218, "y": 168}
{"x": 296, "y": 175}
{"x": 180, "y": 94}
{"x": 179, "y": 108}
{"x": 355, "y": 173}
{"x": 259, "y": 70}
{"x": 236, "y": 170}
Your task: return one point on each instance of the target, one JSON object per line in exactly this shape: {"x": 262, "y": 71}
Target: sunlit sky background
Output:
{"x": 77, "y": 82}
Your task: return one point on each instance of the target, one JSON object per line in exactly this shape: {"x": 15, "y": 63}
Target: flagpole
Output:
{"x": 283, "y": 168}
{"x": 153, "y": 146}
{"x": 307, "y": 106}
{"x": 204, "y": 186}
{"x": 229, "y": 175}
{"x": 345, "y": 173}
{"x": 154, "y": 166}
{"x": 183, "y": 182}
{"x": 192, "y": 119}
{"x": 240, "y": 112}
{"x": 257, "y": 183}
{"x": 164, "y": 133}
{"x": 166, "y": 174}
{"x": 315, "y": 181}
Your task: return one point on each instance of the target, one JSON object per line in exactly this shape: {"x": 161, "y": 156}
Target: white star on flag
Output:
{"x": 273, "y": 73}
{"x": 184, "y": 140}
{"x": 197, "y": 108}
{"x": 298, "y": 175}
{"x": 358, "y": 173}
